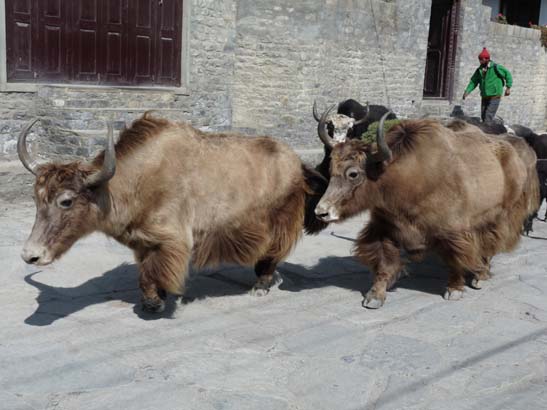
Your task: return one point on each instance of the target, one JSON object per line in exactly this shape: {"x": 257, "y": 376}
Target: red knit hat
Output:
{"x": 484, "y": 54}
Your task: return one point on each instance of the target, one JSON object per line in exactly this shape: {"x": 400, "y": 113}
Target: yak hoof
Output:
{"x": 372, "y": 302}
{"x": 259, "y": 290}
{"x": 155, "y": 305}
{"x": 453, "y": 294}
{"x": 476, "y": 283}
{"x": 262, "y": 288}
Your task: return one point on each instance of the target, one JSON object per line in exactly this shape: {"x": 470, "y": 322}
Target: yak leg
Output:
{"x": 456, "y": 282}
{"x": 462, "y": 254}
{"x": 481, "y": 274}
{"x": 267, "y": 276}
{"x": 456, "y": 278}
{"x": 285, "y": 228}
{"x": 528, "y": 225}
{"x": 162, "y": 268}
{"x": 382, "y": 255}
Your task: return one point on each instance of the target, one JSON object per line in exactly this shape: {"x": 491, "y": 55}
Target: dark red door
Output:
{"x": 118, "y": 42}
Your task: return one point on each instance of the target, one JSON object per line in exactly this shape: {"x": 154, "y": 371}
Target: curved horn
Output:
{"x": 384, "y": 153}
{"x": 365, "y": 117}
{"x": 321, "y": 129}
{"x": 315, "y": 115}
{"x": 109, "y": 162}
{"x": 24, "y": 156}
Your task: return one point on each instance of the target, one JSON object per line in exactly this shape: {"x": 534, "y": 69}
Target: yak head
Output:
{"x": 353, "y": 163}
{"x": 338, "y": 126}
{"x": 66, "y": 198}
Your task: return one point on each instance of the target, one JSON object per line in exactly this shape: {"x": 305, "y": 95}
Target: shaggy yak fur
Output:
{"x": 179, "y": 194}
{"x": 457, "y": 191}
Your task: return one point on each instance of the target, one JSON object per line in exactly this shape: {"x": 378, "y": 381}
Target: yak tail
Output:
{"x": 316, "y": 185}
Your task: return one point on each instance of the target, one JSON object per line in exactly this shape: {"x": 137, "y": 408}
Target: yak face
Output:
{"x": 64, "y": 212}
{"x": 65, "y": 198}
{"x": 340, "y": 127}
{"x": 353, "y": 164}
{"x": 348, "y": 172}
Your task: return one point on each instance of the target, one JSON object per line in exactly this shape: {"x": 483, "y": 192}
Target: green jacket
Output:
{"x": 490, "y": 84}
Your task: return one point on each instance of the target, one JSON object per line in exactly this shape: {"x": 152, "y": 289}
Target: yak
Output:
{"x": 463, "y": 194}
{"x": 538, "y": 142}
{"x": 542, "y": 174}
{"x": 174, "y": 194}
{"x": 350, "y": 121}
{"x": 496, "y": 126}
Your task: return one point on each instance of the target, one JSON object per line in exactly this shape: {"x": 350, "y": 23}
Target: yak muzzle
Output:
{"x": 326, "y": 213}
{"x": 34, "y": 254}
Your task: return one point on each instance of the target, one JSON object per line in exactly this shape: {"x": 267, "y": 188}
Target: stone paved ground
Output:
{"x": 73, "y": 336}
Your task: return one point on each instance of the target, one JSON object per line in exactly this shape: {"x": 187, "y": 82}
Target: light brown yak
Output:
{"x": 173, "y": 194}
{"x": 457, "y": 191}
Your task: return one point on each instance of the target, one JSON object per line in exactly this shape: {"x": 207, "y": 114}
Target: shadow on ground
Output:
{"x": 117, "y": 284}
{"x": 121, "y": 284}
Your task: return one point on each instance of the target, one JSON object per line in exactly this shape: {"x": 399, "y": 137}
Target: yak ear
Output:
{"x": 374, "y": 169}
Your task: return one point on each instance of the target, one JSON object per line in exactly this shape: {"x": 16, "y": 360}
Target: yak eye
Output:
{"x": 66, "y": 199}
{"x": 352, "y": 173}
{"x": 66, "y": 203}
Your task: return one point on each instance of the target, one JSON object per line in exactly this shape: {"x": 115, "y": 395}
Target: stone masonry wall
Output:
{"x": 14, "y": 111}
{"x": 330, "y": 50}
{"x": 257, "y": 66}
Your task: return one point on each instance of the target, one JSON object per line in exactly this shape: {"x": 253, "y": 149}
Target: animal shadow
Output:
{"x": 430, "y": 275}
{"x": 120, "y": 284}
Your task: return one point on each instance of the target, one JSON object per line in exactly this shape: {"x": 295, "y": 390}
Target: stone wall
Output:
{"x": 295, "y": 52}
{"x": 14, "y": 110}
{"x": 257, "y": 66}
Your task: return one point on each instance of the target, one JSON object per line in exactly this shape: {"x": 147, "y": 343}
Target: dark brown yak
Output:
{"x": 459, "y": 192}
{"x": 172, "y": 193}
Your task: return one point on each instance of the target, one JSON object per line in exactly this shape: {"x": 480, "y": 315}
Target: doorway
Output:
{"x": 441, "y": 49}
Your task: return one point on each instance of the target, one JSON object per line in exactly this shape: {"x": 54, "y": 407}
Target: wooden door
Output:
{"x": 118, "y": 42}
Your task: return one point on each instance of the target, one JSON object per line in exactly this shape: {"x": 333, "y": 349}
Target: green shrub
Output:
{"x": 370, "y": 135}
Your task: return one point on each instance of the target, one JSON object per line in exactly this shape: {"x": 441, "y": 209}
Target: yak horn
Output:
{"x": 365, "y": 117}
{"x": 24, "y": 156}
{"x": 109, "y": 163}
{"x": 321, "y": 128}
{"x": 384, "y": 153}
{"x": 315, "y": 114}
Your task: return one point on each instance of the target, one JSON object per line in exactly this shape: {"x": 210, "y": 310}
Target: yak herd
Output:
{"x": 176, "y": 195}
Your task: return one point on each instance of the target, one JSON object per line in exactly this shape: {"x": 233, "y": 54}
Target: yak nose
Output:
{"x": 326, "y": 214}
{"x": 321, "y": 215}
{"x": 34, "y": 255}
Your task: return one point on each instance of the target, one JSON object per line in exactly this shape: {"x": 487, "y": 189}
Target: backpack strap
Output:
{"x": 497, "y": 71}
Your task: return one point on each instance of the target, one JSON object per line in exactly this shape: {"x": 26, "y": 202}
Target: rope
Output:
{"x": 386, "y": 94}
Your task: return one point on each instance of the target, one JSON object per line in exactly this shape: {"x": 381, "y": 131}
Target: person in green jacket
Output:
{"x": 491, "y": 78}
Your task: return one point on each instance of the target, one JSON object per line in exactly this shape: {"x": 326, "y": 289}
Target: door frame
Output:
{"x": 33, "y": 87}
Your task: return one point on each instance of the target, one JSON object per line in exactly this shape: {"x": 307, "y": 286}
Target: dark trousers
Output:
{"x": 489, "y": 106}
